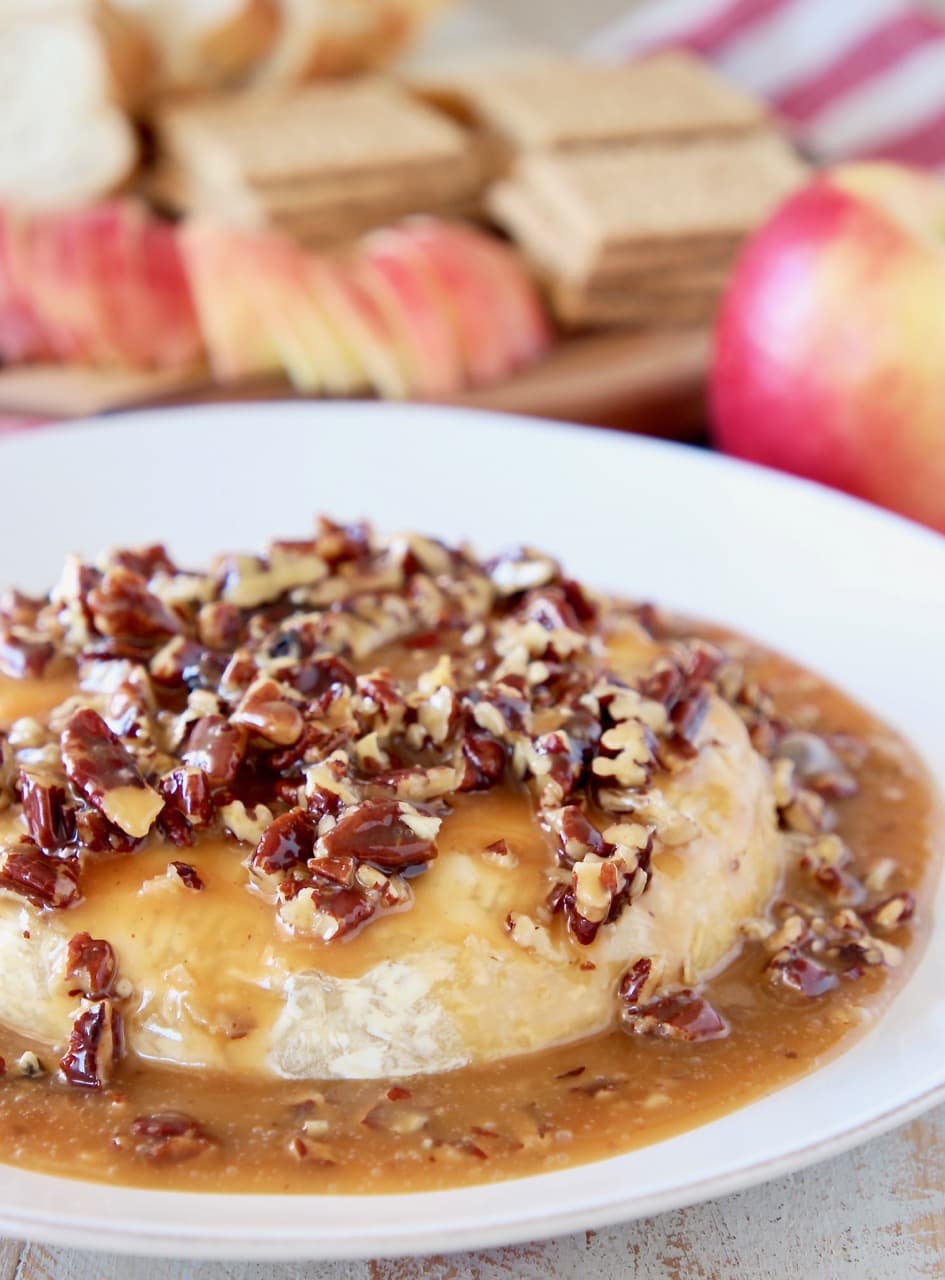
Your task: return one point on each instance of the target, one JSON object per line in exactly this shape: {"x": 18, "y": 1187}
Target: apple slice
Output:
{"x": 108, "y": 237}
{"x": 287, "y": 286}
{"x": 22, "y": 336}
{"x": 396, "y": 274}
{"x": 361, "y": 326}
{"x": 174, "y": 336}
{"x": 47, "y": 266}
{"x": 220, "y": 264}
{"x": 469, "y": 298}
{"x": 520, "y": 312}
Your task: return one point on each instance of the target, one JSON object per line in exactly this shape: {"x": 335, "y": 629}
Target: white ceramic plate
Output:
{"x": 856, "y": 593}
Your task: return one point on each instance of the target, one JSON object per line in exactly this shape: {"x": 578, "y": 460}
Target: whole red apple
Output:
{"x": 830, "y": 346}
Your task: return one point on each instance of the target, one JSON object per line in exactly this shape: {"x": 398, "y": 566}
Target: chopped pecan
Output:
{"x": 265, "y": 710}
{"x": 220, "y": 625}
{"x": 188, "y": 876}
{"x": 99, "y": 766}
{"x": 801, "y": 973}
{"x": 387, "y": 833}
{"x": 186, "y": 792}
{"x": 327, "y": 910}
{"x": 23, "y": 656}
{"x": 288, "y": 842}
{"x": 97, "y": 834}
{"x": 634, "y": 980}
{"x": 890, "y": 914}
{"x": 337, "y": 868}
{"x": 683, "y": 1015}
{"x": 169, "y": 1137}
{"x": 578, "y": 836}
{"x": 484, "y": 760}
{"x": 218, "y": 747}
{"x": 182, "y": 662}
{"x": 122, "y": 607}
{"x": 95, "y": 1046}
{"x": 92, "y": 961}
{"x": 49, "y": 883}
{"x": 49, "y": 813}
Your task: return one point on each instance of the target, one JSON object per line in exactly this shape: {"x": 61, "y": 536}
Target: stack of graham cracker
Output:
{"x": 630, "y": 188}
{"x": 322, "y": 163}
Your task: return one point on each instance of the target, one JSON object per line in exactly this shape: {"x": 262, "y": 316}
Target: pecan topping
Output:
{"x": 95, "y": 1046}
{"x": 46, "y": 882}
{"x": 92, "y": 962}
{"x": 188, "y": 875}
{"x": 485, "y": 762}
{"x": 49, "y": 814}
{"x": 387, "y": 833}
{"x": 266, "y": 711}
{"x": 101, "y": 768}
{"x": 218, "y": 747}
{"x": 22, "y": 656}
{"x": 169, "y": 1137}
{"x": 683, "y": 1015}
{"x": 123, "y": 608}
{"x": 289, "y": 842}
{"x": 188, "y": 803}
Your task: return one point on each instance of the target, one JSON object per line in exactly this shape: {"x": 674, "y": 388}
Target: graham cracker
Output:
{"x": 546, "y": 245}
{"x": 366, "y": 196}
{"x": 575, "y": 308}
{"x": 325, "y": 130}
{"x": 552, "y": 102}
{"x": 576, "y": 210}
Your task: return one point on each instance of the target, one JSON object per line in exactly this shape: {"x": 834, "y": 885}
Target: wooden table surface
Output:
{"x": 876, "y": 1213}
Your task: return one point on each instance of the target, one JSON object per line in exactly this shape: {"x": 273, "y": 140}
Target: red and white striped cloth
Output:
{"x": 851, "y": 78}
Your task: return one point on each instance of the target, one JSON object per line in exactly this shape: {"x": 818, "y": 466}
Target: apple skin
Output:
{"x": 830, "y": 344}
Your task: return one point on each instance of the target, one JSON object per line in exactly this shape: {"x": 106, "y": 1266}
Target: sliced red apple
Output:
{"x": 361, "y": 326}
{"x": 220, "y": 263}
{"x": 174, "y": 336}
{"x": 517, "y": 299}
{"x": 286, "y": 285}
{"x": 108, "y": 237}
{"x": 22, "y": 336}
{"x": 396, "y": 274}
{"x": 471, "y": 301}
{"x": 45, "y": 270}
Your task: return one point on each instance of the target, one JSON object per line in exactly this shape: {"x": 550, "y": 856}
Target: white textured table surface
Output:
{"x": 877, "y": 1213}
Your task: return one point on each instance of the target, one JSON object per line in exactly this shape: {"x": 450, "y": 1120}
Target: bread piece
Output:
{"x": 319, "y": 38}
{"x": 63, "y": 137}
{"x": 207, "y": 44}
{"x": 552, "y": 102}
{"x": 320, "y": 131}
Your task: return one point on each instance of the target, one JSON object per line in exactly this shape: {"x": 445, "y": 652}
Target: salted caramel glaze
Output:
{"x": 367, "y": 865}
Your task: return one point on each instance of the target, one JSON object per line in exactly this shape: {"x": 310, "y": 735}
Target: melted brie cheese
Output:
{"x": 218, "y": 983}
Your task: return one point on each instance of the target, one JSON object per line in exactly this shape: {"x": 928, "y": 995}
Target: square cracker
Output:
{"x": 322, "y": 130}
{"x": 597, "y": 203}
{"x": 559, "y": 102}
{"x": 551, "y": 250}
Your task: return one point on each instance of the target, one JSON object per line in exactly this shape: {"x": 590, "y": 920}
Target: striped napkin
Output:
{"x": 850, "y": 78}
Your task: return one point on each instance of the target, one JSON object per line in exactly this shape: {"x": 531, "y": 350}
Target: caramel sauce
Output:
{"x": 550, "y": 1110}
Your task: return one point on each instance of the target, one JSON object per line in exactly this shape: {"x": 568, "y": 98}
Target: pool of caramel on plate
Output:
{"x": 561, "y": 1107}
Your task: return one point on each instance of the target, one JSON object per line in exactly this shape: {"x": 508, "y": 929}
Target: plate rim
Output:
{"x": 125, "y": 1240}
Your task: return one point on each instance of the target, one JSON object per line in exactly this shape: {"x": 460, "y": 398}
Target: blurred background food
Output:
{"x": 532, "y": 207}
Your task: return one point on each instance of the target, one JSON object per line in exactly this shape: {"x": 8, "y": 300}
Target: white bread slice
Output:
{"x": 206, "y": 44}
{"x": 340, "y": 37}
{"x": 63, "y": 137}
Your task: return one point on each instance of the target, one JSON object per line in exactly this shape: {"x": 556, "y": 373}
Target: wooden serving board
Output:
{"x": 652, "y": 383}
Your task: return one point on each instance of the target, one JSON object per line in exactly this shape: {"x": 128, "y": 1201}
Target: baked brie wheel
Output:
{"x": 362, "y": 807}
